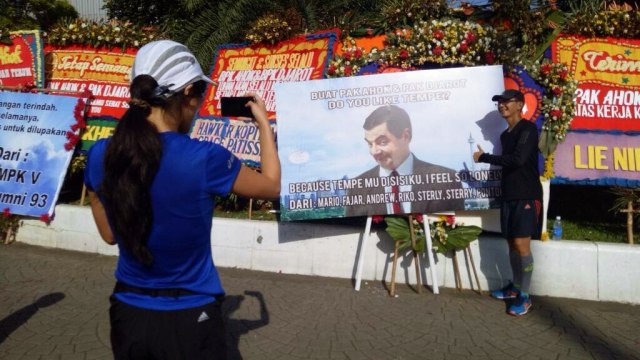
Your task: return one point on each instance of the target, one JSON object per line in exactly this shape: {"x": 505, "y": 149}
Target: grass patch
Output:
{"x": 244, "y": 214}
{"x": 241, "y": 214}
{"x": 593, "y": 231}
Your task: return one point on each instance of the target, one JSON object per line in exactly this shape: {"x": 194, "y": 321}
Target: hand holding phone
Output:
{"x": 236, "y": 106}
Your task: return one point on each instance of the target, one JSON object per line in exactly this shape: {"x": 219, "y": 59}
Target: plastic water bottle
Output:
{"x": 557, "y": 229}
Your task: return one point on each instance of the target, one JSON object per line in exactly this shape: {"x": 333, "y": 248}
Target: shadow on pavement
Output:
{"x": 12, "y": 322}
{"x": 238, "y": 327}
{"x": 494, "y": 262}
{"x": 578, "y": 328}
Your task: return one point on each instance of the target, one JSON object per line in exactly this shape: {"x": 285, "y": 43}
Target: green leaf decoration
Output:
{"x": 547, "y": 143}
{"x": 398, "y": 229}
{"x": 460, "y": 237}
{"x": 457, "y": 237}
{"x": 420, "y": 243}
{"x": 441, "y": 248}
{"x": 557, "y": 19}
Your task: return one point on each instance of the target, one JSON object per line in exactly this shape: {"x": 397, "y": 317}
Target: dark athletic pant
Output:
{"x": 140, "y": 334}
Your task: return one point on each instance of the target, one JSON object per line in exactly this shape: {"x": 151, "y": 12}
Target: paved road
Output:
{"x": 53, "y": 305}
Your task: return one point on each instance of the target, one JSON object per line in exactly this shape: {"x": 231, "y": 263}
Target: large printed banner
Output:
{"x": 239, "y": 69}
{"x": 105, "y": 73}
{"x": 608, "y": 75}
{"x": 333, "y": 167}
{"x": 598, "y": 159}
{"x": 97, "y": 128}
{"x": 602, "y": 145}
{"x": 33, "y": 160}
{"x": 22, "y": 62}
{"x": 239, "y": 137}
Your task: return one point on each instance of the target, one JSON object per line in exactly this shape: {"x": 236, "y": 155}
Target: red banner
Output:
{"x": 608, "y": 75}
{"x": 242, "y": 69}
{"x": 22, "y": 62}
{"x": 103, "y": 72}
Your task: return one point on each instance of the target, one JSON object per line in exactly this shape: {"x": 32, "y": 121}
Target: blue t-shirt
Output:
{"x": 190, "y": 175}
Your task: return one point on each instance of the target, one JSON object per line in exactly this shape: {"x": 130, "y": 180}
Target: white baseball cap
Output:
{"x": 170, "y": 63}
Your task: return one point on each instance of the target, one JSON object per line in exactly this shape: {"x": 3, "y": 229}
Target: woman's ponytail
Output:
{"x": 131, "y": 162}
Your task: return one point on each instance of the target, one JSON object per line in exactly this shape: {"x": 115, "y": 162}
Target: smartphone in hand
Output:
{"x": 235, "y": 106}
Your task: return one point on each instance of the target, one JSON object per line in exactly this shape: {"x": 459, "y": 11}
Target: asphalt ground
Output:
{"x": 54, "y": 305}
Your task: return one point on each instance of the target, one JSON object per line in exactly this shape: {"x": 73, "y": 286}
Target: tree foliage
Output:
{"x": 167, "y": 15}
{"x": 143, "y": 12}
{"x": 34, "y": 14}
{"x": 205, "y": 24}
{"x": 226, "y": 21}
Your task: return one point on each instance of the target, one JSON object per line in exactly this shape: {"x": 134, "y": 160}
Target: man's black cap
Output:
{"x": 508, "y": 95}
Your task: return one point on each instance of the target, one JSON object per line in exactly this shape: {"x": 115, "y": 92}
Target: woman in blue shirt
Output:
{"x": 152, "y": 191}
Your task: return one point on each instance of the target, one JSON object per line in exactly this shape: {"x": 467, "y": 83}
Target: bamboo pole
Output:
{"x": 416, "y": 259}
{"x": 473, "y": 266}
{"x": 456, "y": 272}
{"x": 392, "y": 291}
{"x": 630, "y": 211}
{"x": 84, "y": 191}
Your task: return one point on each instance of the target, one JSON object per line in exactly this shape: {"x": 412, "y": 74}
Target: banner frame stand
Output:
{"x": 430, "y": 255}
{"x": 364, "y": 241}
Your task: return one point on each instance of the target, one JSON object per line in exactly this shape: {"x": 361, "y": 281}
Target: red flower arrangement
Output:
{"x": 489, "y": 58}
{"x": 45, "y": 218}
{"x": 555, "y": 113}
{"x": 353, "y": 58}
{"x": 470, "y": 37}
{"x": 78, "y": 113}
{"x": 444, "y": 41}
{"x": 557, "y": 103}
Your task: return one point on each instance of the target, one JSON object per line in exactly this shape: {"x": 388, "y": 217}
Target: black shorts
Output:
{"x": 519, "y": 218}
{"x": 196, "y": 333}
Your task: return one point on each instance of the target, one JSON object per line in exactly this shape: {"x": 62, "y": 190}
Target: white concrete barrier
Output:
{"x": 572, "y": 269}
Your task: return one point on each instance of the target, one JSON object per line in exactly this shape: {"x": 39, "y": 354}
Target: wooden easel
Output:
{"x": 8, "y": 236}
{"x": 84, "y": 193}
{"x": 364, "y": 240}
{"x": 456, "y": 270}
{"x": 416, "y": 259}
